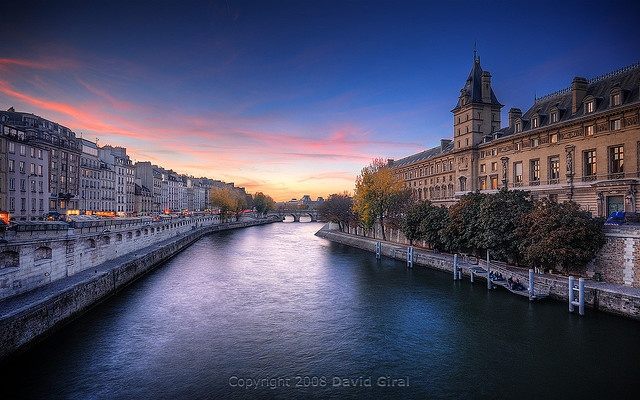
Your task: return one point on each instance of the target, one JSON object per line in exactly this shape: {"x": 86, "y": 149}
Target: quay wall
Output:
{"x": 64, "y": 300}
{"x": 607, "y": 297}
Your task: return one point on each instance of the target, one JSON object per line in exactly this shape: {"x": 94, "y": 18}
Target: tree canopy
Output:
{"x": 337, "y": 209}
{"x": 263, "y": 203}
{"x": 560, "y": 236}
{"x": 378, "y": 194}
{"x": 229, "y": 200}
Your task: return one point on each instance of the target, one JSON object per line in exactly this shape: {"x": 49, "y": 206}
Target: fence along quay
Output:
{"x": 84, "y": 264}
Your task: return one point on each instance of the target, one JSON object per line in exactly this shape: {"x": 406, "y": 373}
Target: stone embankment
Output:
{"x": 29, "y": 317}
{"x": 611, "y": 298}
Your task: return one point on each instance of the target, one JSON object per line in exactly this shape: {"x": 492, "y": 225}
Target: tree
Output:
{"x": 461, "y": 232}
{"x": 337, "y": 209}
{"x": 499, "y": 216}
{"x": 378, "y": 193}
{"x": 263, "y": 203}
{"x": 560, "y": 236}
{"x": 424, "y": 221}
{"x": 229, "y": 200}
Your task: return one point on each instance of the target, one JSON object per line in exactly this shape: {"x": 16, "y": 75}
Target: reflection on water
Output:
{"x": 275, "y": 312}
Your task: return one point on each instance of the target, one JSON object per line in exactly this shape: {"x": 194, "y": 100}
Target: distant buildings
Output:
{"x": 581, "y": 143}
{"x": 46, "y": 170}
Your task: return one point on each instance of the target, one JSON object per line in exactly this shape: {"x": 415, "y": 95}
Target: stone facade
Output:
{"x": 581, "y": 143}
{"x": 36, "y": 254}
{"x": 619, "y": 260}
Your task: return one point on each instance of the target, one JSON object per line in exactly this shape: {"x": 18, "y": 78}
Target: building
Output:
{"x": 90, "y": 180}
{"x": 24, "y": 172}
{"x": 64, "y": 151}
{"x": 581, "y": 143}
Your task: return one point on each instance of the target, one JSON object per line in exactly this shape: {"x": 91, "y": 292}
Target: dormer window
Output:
{"x": 589, "y": 105}
{"x": 554, "y": 116}
{"x": 534, "y": 122}
{"x": 615, "y": 97}
{"x": 518, "y": 126}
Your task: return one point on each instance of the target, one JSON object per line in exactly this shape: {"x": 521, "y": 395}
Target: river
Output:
{"x": 275, "y": 312}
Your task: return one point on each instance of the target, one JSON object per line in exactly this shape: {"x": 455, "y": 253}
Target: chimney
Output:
{"x": 444, "y": 143}
{"x": 486, "y": 87}
{"x": 578, "y": 91}
{"x": 514, "y": 113}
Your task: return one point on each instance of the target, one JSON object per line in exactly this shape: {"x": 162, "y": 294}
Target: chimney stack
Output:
{"x": 514, "y": 113}
{"x": 486, "y": 87}
{"x": 578, "y": 91}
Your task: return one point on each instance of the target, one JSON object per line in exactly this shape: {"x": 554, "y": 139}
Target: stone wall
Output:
{"x": 618, "y": 261}
{"x": 31, "y": 259}
{"x": 24, "y": 326}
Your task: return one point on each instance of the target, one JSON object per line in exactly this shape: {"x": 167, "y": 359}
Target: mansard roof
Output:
{"x": 473, "y": 87}
{"x": 445, "y": 147}
{"x": 625, "y": 80}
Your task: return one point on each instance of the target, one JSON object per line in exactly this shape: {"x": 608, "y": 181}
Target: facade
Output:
{"x": 90, "y": 181}
{"x": 24, "y": 172}
{"x": 64, "y": 156}
{"x": 581, "y": 143}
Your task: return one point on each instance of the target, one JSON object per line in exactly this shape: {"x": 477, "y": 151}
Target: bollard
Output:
{"x": 455, "y": 267}
{"x": 571, "y": 280}
{"x": 378, "y": 250}
{"x": 532, "y": 293}
{"x": 472, "y": 274}
{"x": 410, "y": 257}
{"x": 581, "y": 296}
{"x": 488, "y": 271}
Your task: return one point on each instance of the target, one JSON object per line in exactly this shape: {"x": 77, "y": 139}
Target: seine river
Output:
{"x": 275, "y": 312}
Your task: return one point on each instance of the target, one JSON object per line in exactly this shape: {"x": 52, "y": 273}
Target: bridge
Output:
{"x": 296, "y": 214}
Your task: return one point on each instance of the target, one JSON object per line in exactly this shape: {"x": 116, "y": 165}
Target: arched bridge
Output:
{"x": 296, "y": 214}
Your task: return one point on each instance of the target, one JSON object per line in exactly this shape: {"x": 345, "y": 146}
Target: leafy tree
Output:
{"x": 461, "y": 232}
{"x": 377, "y": 194}
{"x": 499, "y": 216}
{"x": 337, "y": 209}
{"x": 424, "y": 221}
{"x": 560, "y": 236}
{"x": 229, "y": 200}
{"x": 263, "y": 203}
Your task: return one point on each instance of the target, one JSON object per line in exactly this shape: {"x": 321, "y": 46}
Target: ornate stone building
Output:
{"x": 581, "y": 143}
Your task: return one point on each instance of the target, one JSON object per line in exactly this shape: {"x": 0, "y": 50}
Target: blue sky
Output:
{"x": 291, "y": 97}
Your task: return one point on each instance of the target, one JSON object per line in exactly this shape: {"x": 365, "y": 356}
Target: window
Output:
{"x": 553, "y": 138}
{"x": 518, "y": 127}
{"x": 588, "y": 107}
{"x": 615, "y": 124}
{"x": 21, "y": 167}
{"x": 12, "y": 165}
{"x": 23, "y": 150}
{"x": 588, "y": 130}
{"x": 32, "y": 169}
{"x": 517, "y": 173}
{"x": 534, "y": 122}
{"x": 32, "y": 152}
{"x": 554, "y": 116}
{"x": 12, "y": 147}
{"x": 615, "y": 99}
{"x": 516, "y": 146}
{"x": 483, "y": 183}
{"x": 535, "y": 170}
{"x": 494, "y": 182}
{"x": 554, "y": 168}
{"x": 590, "y": 163}
{"x": 535, "y": 142}
{"x": 616, "y": 159}
{"x": 12, "y": 184}
{"x": 494, "y": 166}
{"x": 483, "y": 167}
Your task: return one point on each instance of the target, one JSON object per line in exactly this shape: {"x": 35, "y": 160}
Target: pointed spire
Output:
{"x": 475, "y": 51}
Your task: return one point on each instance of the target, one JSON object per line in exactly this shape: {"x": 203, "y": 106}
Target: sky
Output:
{"x": 292, "y": 98}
